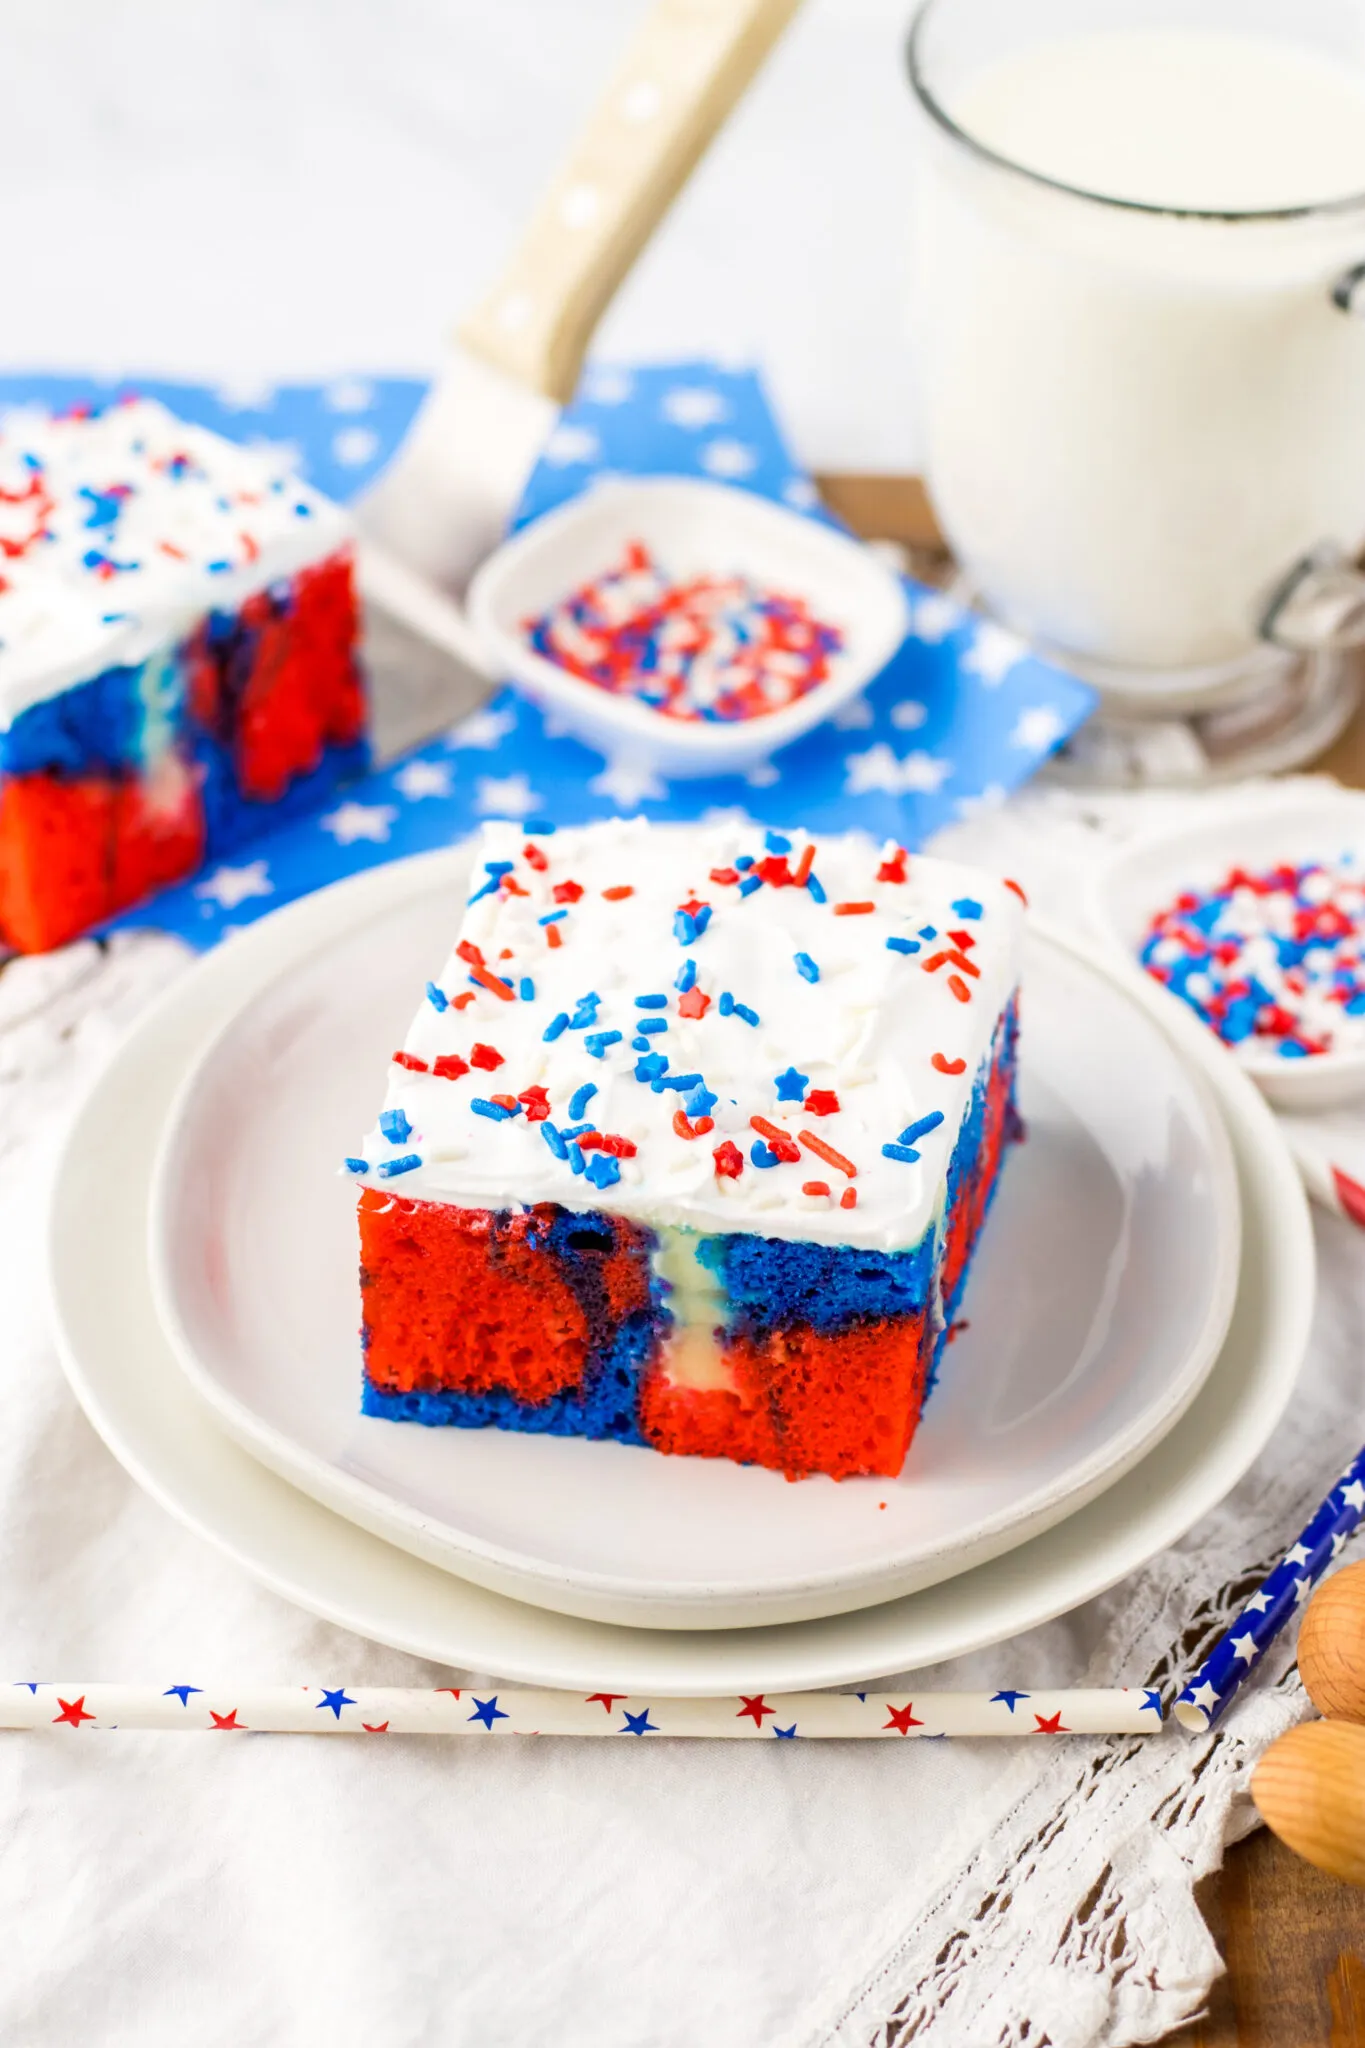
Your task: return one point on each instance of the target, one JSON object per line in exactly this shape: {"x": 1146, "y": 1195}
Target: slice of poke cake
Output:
{"x": 177, "y": 657}
{"x": 690, "y": 1142}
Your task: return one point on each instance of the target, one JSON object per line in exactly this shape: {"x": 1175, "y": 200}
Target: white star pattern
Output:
{"x": 628, "y": 783}
{"x": 919, "y": 774}
{"x": 1039, "y": 729}
{"x": 855, "y": 716}
{"x": 350, "y": 822}
{"x": 693, "y": 405}
{"x": 504, "y": 796}
{"x": 1245, "y": 1646}
{"x": 728, "y": 458}
{"x": 1259, "y": 1603}
{"x": 349, "y": 394}
{"x": 355, "y": 445}
{"x": 1353, "y": 1496}
{"x": 1204, "y": 1696}
{"x": 801, "y": 494}
{"x": 993, "y": 653}
{"x": 569, "y": 445}
{"x": 1298, "y": 1555}
{"x": 485, "y": 728}
{"x": 1302, "y": 1588}
{"x": 934, "y": 617}
{"x": 228, "y": 887}
{"x": 1338, "y": 1543}
{"x": 763, "y": 775}
{"x": 417, "y": 779}
{"x": 608, "y": 386}
{"x": 909, "y": 715}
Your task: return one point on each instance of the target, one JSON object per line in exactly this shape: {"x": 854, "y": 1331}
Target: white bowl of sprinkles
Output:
{"x": 789, "y": 619}
{"x": 1257, "y": 918}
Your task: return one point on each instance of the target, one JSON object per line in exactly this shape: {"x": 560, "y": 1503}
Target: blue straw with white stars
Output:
{"x": 1280, "y": 1595}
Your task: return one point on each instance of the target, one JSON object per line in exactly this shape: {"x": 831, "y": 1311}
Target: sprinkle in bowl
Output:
{"x": 827, "y": 584}
{"x": 1168, "y": 892}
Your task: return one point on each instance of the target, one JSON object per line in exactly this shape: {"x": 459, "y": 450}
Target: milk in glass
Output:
{"x": 1136, "y": 421}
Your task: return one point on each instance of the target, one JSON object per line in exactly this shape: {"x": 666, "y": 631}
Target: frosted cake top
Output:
{"x": 120, "y": 527}
{"x": 705, "y": 1026}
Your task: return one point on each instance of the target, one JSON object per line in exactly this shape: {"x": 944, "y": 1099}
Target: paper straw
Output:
{"x": 1217, "y": 1681}
{"x": 523, "y": 1710}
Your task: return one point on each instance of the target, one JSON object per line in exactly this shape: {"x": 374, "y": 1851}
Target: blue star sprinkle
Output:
{"x": 336, "y": 1700}
{"x": 966, "y": 906}
{"x": 791, "y": 1086}
{"x": 488, "y": 1711}
{"x": 395, "y": 1126}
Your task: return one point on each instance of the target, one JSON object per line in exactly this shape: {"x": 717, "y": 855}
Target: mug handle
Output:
{"x": 1320, "y": 605}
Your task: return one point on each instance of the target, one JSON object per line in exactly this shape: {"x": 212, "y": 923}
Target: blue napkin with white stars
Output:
{"x": 963, "y": 714}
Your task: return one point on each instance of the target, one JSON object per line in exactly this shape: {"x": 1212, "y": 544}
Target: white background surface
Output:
{"x": 288, "y": 188}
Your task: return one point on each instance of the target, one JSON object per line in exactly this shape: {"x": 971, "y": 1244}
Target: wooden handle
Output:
{"x": 685, "y": 70}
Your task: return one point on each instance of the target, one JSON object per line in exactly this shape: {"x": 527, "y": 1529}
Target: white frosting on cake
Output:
{"x": 865, "y": 1032}
{"x": 118, "y": 530}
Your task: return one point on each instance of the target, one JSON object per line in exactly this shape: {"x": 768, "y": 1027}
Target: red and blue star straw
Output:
{"x": 1219, "y": 1678}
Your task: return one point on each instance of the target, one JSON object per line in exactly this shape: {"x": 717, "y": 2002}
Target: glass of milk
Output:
{"x": 1139, "y": 224}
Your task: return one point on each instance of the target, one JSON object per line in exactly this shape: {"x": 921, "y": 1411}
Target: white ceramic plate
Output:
{"x": 1289, "y": 825}
{"x": 692, "y": 528}
{"x": 127, "y": 1377}
{"x": 1105, "y": 1283}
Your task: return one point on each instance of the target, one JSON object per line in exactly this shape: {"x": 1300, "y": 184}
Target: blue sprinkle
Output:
{"x": 760, "y": 1154}
{"x": 597, "y": 1042}
{"x": 806, "y": 967}
{"x": 649, "y": 1025}
{"x": 1290, "y": 1049}
{"x": 437, "y": 997}
{"x": 576, "y": 1159}
{"x": 651, "y": 1002}
{"x": 554, "y": 1141}
{"x": 701, "y": 1101}
{"x": 489, "y": 889}
{"x": 684, "y": 930}
{"x": 922, "y": 1127}
{"x": 553, "y": 917}
{"x": 966, "y": 906}
{"x": 555, "y": 1026}
{"x": 899, "y": 1152}
{"x": 775, "y": 843}
{"x": 640, "y": 1045}
{"x": 498, "y": 867}
{"x": 749, "y": 884}
{"x": 357, "y": 1165}
{"x": 495, "y": 1110}
{"x": 726, "y": 1004}
{"x": 928, "y": 931}
{"x": 526, "y": 989}
{"x": 580, "y": 1099}
{"x": 576, "y": 1132}
{"x": 603, "y": 1170}
{"x": 538, "y": 828}
{"x": 702, "y": 919}
{"x": 791, "y": 1086}
{"x": 395, "y": 1126}
{"x": 387, "y": 1168}
{"x": 815, "y": 889}
{"x": 586, "y": 1013}
{"x": 683, "y": 1081}
{"x": 902, "y": 945}
{"x": 743, "y": 1010}
{"x": 686, "y": 976}
{"x": 744, "y": 862}
{"x": 651, "y": 1066}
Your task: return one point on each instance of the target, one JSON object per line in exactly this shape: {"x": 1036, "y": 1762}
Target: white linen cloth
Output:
{"x": 159, "y": 1890}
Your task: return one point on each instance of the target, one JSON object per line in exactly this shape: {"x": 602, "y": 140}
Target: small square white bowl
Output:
{"x": 692, "y": 528}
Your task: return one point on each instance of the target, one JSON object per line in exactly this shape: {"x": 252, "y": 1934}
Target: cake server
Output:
{"x": 445, "y": 499}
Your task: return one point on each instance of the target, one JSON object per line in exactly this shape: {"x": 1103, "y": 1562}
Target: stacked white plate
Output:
{"x": 1138, "y": 1313}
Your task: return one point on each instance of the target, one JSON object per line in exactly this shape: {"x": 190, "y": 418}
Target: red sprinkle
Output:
{"x": 536, "y": 1102}
{"x": 774, "y": 870}
{"x": 450, "y": 1066}
{"x": 778, "y": 1140}
{"x": 963, "y": 939}
{"x": 493, "y": 984}
{"x": 815, "y": 1187}
{"x": 686, "y": 1129}
{"x": 469, "y": 953}
{"x": 893, "y": 868}
{"x": 618, "y": 895}
{"x": 801, "y": 872}
{"x": 853, "y": 909}
{"x": 729, "y": 1161}
{"x": 694, "y": 1003}
{"x": 1017, "y": 890}
{"x": 411, "y": 1062}
{"x": 943, "y": 1065}
{"x": 508, "y": 1102}
{"x": 567, "y": 892}
{"x": 484, "y": 1056}
{"x": 829, "y": 1155}
{"x": 725, "y": 876}
{"x": 607, "y": 1141}
{"x": 849, "y": 1199}
{"x": 534, "y": 858}
{"x": 511, "y": 887}
{"x": 463, "y": 1000}
{"x": 552, "y": 938}
{"x": 959, "y": 988}
{"x": 822, "y": 1102}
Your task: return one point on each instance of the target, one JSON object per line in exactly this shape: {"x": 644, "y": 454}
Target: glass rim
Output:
{"x": 938, "y": 113}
